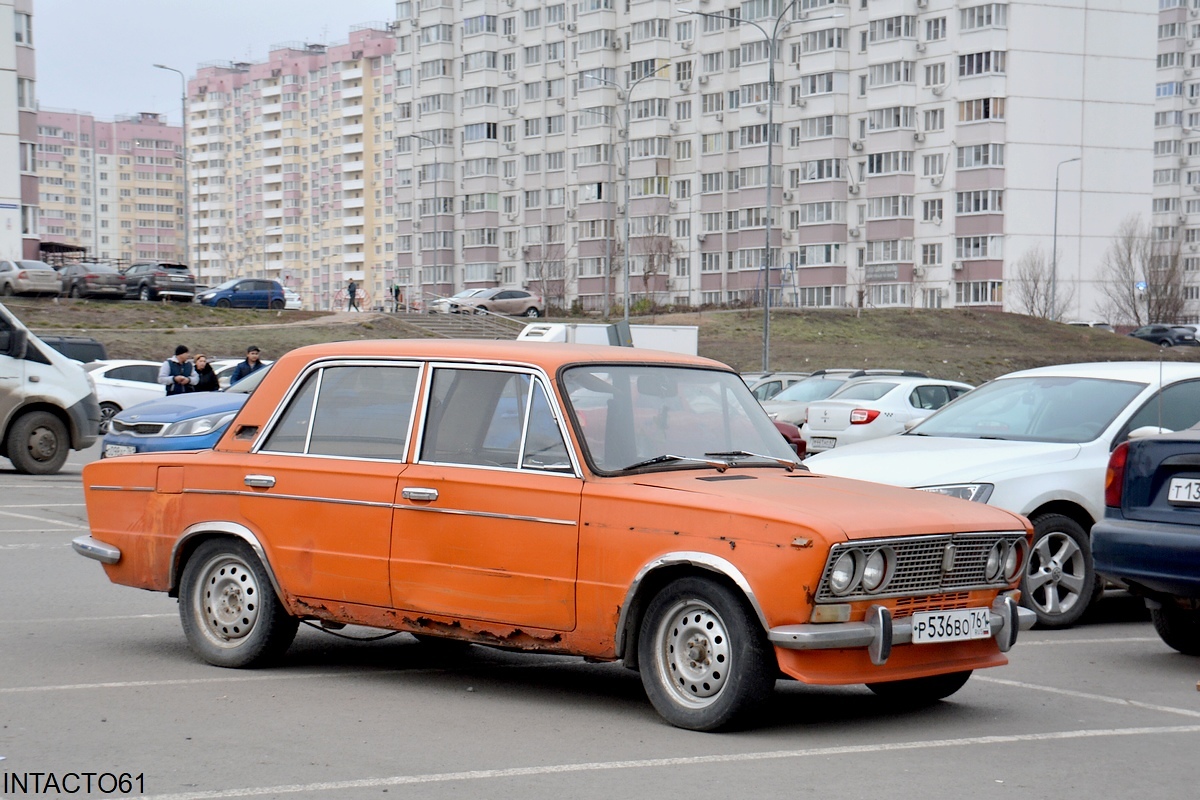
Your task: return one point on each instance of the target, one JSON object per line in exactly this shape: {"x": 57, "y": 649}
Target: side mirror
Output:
{"x": 14, "y": 343}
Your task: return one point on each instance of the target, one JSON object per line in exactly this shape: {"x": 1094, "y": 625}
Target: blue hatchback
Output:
{"x": 244, "y": 293}
{"x": 193, "y": 421}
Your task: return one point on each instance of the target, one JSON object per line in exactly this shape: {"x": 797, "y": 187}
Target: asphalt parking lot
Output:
{"x": 96, "y": 678}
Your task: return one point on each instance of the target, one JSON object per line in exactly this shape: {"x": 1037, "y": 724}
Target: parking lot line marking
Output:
{"x": 43, "y": 519}
{"x": 67, "y": 687}
{"x": 43, "y": 505}
{"x": 650, "y": 763}
{"x": 35, "y": 546}
{"x": 53, "y": 620}
{"x": 1117, "y": 701}
{"x": 1121, "y": 640}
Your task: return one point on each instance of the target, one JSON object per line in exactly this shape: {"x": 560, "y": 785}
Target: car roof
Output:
{"x": 1145, "y": 371}
{"x": 119, "y": 362}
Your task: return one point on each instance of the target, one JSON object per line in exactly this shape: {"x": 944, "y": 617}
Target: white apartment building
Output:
{"x": 18, "y": 131}
{"x": 918, "y": 143}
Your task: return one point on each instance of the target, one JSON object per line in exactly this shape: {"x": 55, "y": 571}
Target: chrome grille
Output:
{"x": 138, "y": 428}
{"x": 919, "y": 562}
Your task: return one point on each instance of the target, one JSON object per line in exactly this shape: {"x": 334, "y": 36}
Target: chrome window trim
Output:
{"x": 536, "y": 374}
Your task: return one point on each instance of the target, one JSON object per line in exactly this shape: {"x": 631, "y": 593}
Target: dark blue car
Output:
{"x": 193, "y": 421}
{"x": 244, "y": 293}
{"x": 1150, "y": 535}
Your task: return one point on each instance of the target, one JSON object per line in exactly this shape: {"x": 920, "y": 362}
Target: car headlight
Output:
{"x": 845, "y": 572}
{"x": 200, "y": 425}
{"x": 996, "y": 559}
{"x": 878, "y": 569}
{"x": 975, "y": 492}
{"x": 1014, "y": 562}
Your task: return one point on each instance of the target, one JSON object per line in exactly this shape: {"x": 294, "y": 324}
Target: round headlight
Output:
{"x": 995, "y": 561}
{"x": 845, "y": 572}
{"x": 1014, "y": 562}
{"x": 878, "y": 569}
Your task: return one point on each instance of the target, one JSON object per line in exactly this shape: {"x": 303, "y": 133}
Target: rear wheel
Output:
{"x": 144, "y": 293}
{"x": 107, "y": 412}
{"x": 75, "y": 292}
{"x": 921, "y": 691}
{"x": 38, "y": 444}
{"x": 229, "y": 611}
{"x": 1179, "y": 628}
{"x": 8, "y": 290}
{"x": 704, "y": 660}
{"x": 277, "y": 304}
{"x": 1059, "y": 580}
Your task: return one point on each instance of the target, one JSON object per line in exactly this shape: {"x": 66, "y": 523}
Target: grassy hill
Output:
{"x": 961, "y": 344}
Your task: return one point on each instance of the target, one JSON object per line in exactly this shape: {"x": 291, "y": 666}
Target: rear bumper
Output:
{"x": 1158, "y": 556}
{"x": 879, "y": 631}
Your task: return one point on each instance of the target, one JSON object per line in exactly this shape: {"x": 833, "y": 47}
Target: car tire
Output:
{"x": 532, "y": 312}
{"x": 1059, "y": 580}
{"x": 479, "y": 310}
{"x": 75, "y": 292}
{"x": 38, "y": 444}
{"x": 107, "y": 412}
{"x": 704, "y": 660}
{"x": 230, "y": 614}
{"x": 277, "y": 304}
{"x": 8, "y": 290}
{"x": 224, "y": 303}
{"x": 1179, "y": 628}
{"x": 144, "y": 294}
{"x": 1165, "y": 343}
{"x": 921, "y": 691}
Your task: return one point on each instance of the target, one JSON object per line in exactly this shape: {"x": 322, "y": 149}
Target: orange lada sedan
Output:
{"x": 605, "y": 502}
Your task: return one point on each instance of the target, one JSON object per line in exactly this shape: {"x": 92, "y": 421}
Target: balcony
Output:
{"x": 351, "y": 111}
{"x": 353, "y": 239}
{"x": 353, "y": 186}
{"x": 353, "y": 222}
{"x": 349, "y": 93}
{"x": 355, "y": 129}
{"x": 272, "y": 108}
{"x": 353, "y": 202}
{"x": 350, "y": 148}
{"x": 273, "y": 197}
{"x": 273, "y": 161}
{"x": 274, "y": 247}
{"x": 352, "y": 166}
{"x": 270, "y": 91}
{"x": 352, "y": 74}
{"x": 354, "y": 258}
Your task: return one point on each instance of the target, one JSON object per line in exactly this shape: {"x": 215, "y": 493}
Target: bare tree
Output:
{"x": 1141, "y": 277}
{"x": 1036, "y": 289}
{"x": 657, "y": 254}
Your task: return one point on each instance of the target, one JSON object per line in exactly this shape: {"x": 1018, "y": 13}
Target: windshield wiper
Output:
{"x": 720, "y": 466}
{"x": 788, "y": 464}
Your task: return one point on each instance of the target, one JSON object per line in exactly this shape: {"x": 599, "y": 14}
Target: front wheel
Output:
{"x": 223, "y": 303}
{"x": 921, "y": 691}
{"x": 532, "y": 312}
{"x": 38, "y": 444}
{"x": 107, "y": 412}
{"x": 1178, "y": 628}
{"x": 1059, "y": 580}
{"x": 8, "y": 290}
{"x": 75, "y": 292}
{"x": 229, "y": 611}
{"x": 704, "y": 660}
{"x": 144, "y": 294}
{"x": 1165, "y": 343}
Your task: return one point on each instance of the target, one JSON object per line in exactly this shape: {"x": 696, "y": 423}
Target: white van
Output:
{"x": 47, "y": 405}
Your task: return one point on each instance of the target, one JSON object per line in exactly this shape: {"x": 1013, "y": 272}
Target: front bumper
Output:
{"x": 94, "y": 548}
{"x": 878, "y": 632}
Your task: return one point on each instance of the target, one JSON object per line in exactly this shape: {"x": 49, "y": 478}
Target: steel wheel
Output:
{"x": 228, "y": 608}
{"x": 692, "y": 647}
{"x": 1059, "y": 580}
{"x": 38, "y": 443}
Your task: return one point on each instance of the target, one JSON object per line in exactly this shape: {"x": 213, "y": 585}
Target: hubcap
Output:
{"x": 227, "y": 601}
{"x": 1055, "y": 581}
{"x": 692, "y": 645}
{"x": 43, "y": 444}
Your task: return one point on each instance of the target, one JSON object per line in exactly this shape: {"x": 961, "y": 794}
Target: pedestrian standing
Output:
{"x": 177, "y": 373}
{"x": 251, "y": 364}
{"x": 351, "y": 293}
{"x": 206, "y": 377}
{"x": 395, "y": 298}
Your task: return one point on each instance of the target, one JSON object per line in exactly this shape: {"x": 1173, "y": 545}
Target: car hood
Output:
{"x": 786, "y": 505}
{"x": 173, "y": 409}
{"x": 910, "y": 460}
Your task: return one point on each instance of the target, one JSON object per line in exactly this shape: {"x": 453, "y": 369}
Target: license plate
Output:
{"x": 111, "y": 450}
{"x": 1184, "y": 492}
{"x": 822, "y": 443}
{"x": 929, "y": 627}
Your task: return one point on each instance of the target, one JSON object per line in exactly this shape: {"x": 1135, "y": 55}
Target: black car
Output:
{"x": 1150, "y": 535}
{"x": 91, "y": 280}
{"x": 1166, "y": 335}
{"x": 83, "y": 349}
{"x": 156, "y": 280}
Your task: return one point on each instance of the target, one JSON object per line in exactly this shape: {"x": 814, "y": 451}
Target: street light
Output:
{"x": 437, "y": 210}
{"x": 1054, "y": 246}
{"x": 187, "y": 206}
{"x": 628, "y": 98}
{"x": 772, "y": 40}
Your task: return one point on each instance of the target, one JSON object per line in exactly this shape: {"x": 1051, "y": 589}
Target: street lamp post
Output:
{"x": 772, "y": 40}
{"x": 1054, "y": 247}
{"x": 628, "y": 97}
{"x": 437, "y": 210}
{"x": 187, "y": 205}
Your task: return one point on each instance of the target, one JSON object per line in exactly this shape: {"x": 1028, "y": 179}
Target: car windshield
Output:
{"x": 808, "y": 390}
{"x": 668, "y": 417}
{"x": 864, "y": 390}
{"x": 1034, "y": 409}
{"x": 467, "y": 293}
{"x": 249, "y": 383}
{"x": 229, "y": 284}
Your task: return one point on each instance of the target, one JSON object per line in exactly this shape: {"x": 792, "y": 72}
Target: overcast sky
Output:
{"x": 97, "y": 55}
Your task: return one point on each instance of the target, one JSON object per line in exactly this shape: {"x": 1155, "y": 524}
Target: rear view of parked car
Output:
{"x": 160, "y": 280}
{"x": 244, "y": 293}
{"x": 869, "y": 409}
{"x": 91, "y": 280}
{"x": 27, "y": 277}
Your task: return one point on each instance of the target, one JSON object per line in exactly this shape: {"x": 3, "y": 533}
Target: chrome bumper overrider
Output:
{"x": 94, "y": 548}
{"x": 879, "y": 632}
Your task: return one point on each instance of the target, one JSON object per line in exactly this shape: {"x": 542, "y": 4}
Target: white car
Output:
{"x": 1035, "y": 442}
{"x": 123, "y": 383}
{"x": 224, "y": 368}
{"x": 870, "y": 409}
{"x": 452, "y": 304}
{"x": 291, "y": 299}
{"x": 791, "y": 405}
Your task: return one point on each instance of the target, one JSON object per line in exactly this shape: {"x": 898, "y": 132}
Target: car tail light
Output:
{"x": 861, "y": 416}
{"x": 1114, "y": 476}
{"x": 22, "y": 275}
{"x": 162, "y": 274}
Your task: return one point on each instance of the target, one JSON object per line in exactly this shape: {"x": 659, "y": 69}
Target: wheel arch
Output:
{"x": 656, "y": 574}
{"x": 1067, "y": 509}
{"x": 201, "y": 532}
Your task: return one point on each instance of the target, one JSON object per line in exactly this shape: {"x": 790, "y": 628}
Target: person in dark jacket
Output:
{"x": 206, "y": 376}
{"x": 351, "y": 293}
{"x": 177, "y": 373}
{"x": 251, "y": 364}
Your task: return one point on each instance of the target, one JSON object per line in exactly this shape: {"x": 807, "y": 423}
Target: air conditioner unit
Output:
{"x": 622, "y": 133}
{"x": 571, "y": 26}
{"x": 762, "y": 109}
{"x": 509, "y": 146}
{"x": 512, "y": 111}
{"x": 512, "y": 215}
{"x": 936, "y": 220}
{"x": 922, "y": 3}
{"x": 1194, "y": 13}
{"x": 416, "y": 225}
{"x": 1183, "y": 219}
{"x": 918, "y": 271}
{"x": 1193, "y": 100}
{"x": 787, "y": 236}
{"x": 510, "y": 181}
{"x": 620, "y": 95}
{"x": 1196, "y": 188}
{"x": 958, "y": 265}
{"x": 1183, "y": 160}
{"x": 936, "y": 181}
{"x": 674, "y": 126}
{"x": 685, "y": 85}
{"x": 1189, "y": 43}
{"x": 854, "y": 232}
{"x": 620, "y": 209}
{"x": 720, "y": 117}
{"x": 703, "y": 79}
{"x": 511, "y": 74}
{"x": 686, "y": 45}
{"x": 857, "y": 144}
{"x": 616, "y": 45}
{"x": 938, "y": 90}
{"x": 509, "y": 3}
{"x": 510, "y": 253}
{"x": 918, "y": 136}
{"x": 1187, "y": 72}
{"x": 620, "y": 170}
{"x": 920, "y": 47}
{"x": 788, "y": 195}
{"x": 673, "y": 204}
{"x": 560, "y": 100}
{"x": 512, "y": 37}
{"x": 525, "y": 248}
{"x": 700, "y": 237}
{"x": 852, "y": 189}
{"x": 570, "y": 213}
{"x": 1194, "y": 247}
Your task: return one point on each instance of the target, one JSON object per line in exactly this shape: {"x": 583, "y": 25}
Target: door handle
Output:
{"x": 259, "y": 481}
{"x": 417, "y": 493}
